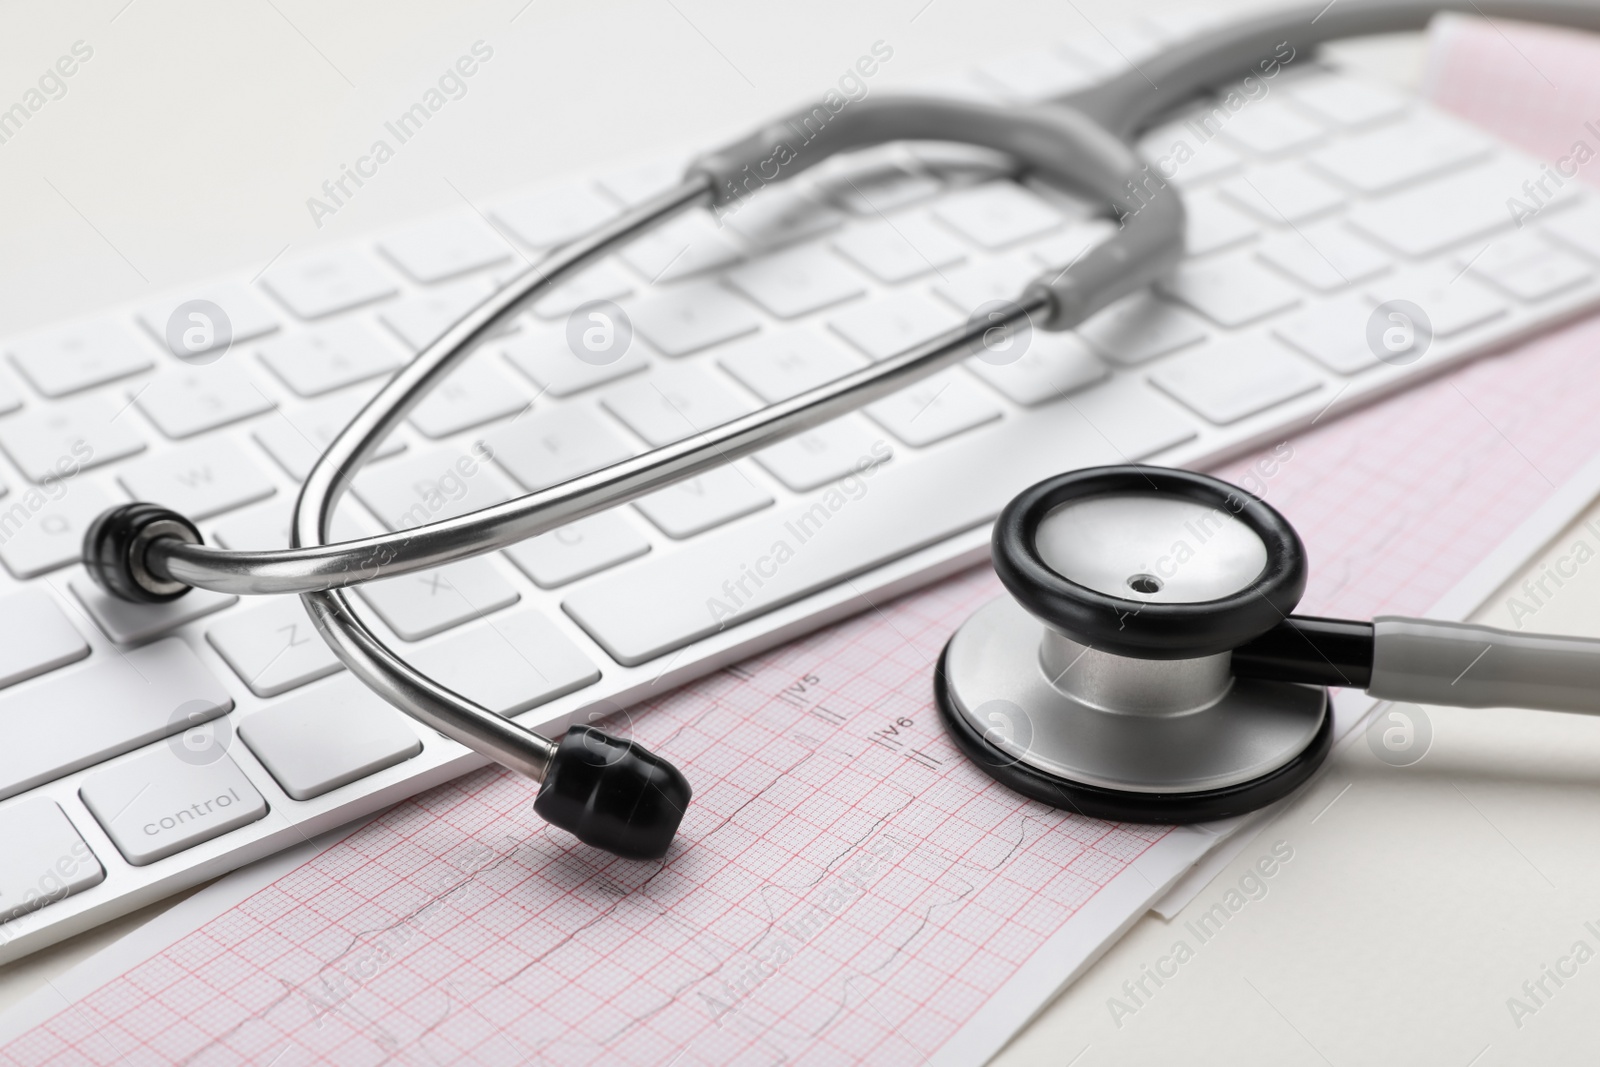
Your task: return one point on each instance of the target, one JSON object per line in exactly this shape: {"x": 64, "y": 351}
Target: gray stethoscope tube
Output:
{"x": 1078, "y": 142}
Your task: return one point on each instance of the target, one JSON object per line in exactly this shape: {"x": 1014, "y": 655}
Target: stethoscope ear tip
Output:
{"x": 613, "y": 794}
{"x": 115, "y": 546}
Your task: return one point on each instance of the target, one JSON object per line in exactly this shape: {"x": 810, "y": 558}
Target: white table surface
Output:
{"x": 1417, "y": 900}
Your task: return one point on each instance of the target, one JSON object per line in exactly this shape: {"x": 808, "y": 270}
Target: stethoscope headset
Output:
{"x": 1109, "y": 682}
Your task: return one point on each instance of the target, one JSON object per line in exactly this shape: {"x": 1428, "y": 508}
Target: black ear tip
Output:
{"x": 114, "y": 549}
{"x": 614, "y": 795}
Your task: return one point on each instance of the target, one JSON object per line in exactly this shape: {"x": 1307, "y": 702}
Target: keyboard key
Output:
{"x": 72, "y": 358}
{"x": 547, "y": 358}
{"x": 934, "y": 408}
{"x": 273, "y": 646}
{"x": 248, "y": 315}
{"x": 674, "y": 403}
{"x": 1282, "y": 193}
{"x": 434, "y": 485}
{"x": 73, "y": 435}
{"x": 1063, "y": 249}
{"x": 1325, "y": 257}
{"x": 997, "y": 215}
{"x": 183, "y": 403}
{"x": 296, "y": 438}
{"x": 796, "y": 282}
{"x": 158, "y": 804}
{"x": 330, "y": 357}
{"x": 826, "y": 454}
{"x": 441, "y": 248}
{"x": 1453, "y": 301}
{"x": 553, "y": 446}
{"x": 508, "y": 664}
{"x": 1132, "y": 419}
{"x": 129, "y": 623}
{"x": 1053, "y": 366}
{"x": 199, "y": 479}
{"x": 430, "y": 602}
{"x": 552, "y": 217}
{"x": 419, "y": 320}
{"x": 1529, "y": 268}
{"x": 35, "y": 638}
{"x": 1178, "y": 154}
{"x": 690, "y": 244}
{"x": 1230, "y": 379}
{"x": 1139, "y": 328}
{"x": 698, "y": 504}
{"x": 637, "y": 182}
{"x": 776, "y": 366}
{"x": 1579, "y": 229}
{"x": 578, "y": 549}
{"x": 1334, "y": 334}
{"x": 874, "y": 189}
{"x": 10, "y": 399}
{"x": 319, "y": 285}
{"x": 48, "y": 536}
{"x": 1346, "y": 101}
{"x": 1392, "y": 156}
{"x": 473, "y": 394}
{"x": 331, "y": 736}
{"x": 889, "y": 326}
{"x": 779, "y": 216}
{"x": 969, "y": 288}
{"x": 899, "y": 249}
{"x": 266, "y": 526}
{"x": 690, "y": 317}
{"x": 1269, "y": 127}
{"x": 1214, "y": 225}
{"x": 603, "y": 281}
{"x": 85, "y": 716}
{"x": 1230, "y": 291}
{"x": 1424, "y": 221}
{"x": 44, "y": 860}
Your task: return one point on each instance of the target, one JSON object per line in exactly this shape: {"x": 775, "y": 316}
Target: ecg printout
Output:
{"x": 846, "y": 887}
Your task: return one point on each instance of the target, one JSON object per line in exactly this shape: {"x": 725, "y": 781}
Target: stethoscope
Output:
{"x": 1104, "y": 684}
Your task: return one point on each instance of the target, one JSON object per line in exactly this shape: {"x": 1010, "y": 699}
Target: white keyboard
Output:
{"x": 150, "y": 748}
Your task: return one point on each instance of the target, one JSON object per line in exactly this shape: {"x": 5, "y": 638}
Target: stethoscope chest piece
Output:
{"x": 1103, "y": 683}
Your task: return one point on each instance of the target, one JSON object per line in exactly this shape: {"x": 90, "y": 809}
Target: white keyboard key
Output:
{"x": 72, "y": 435}
{"x": 157, "y": 804}
{"x": 330, "y": 357}
{"x": 1529, "y": 268}
{"x": 1470, "y": 206}
{"x": 44, "y": 861}
{"x": 690, "y": 317}
{"x": 779, "y": 216}
{"x": 603, "y": 281}
{"x": 433, "y": 485}
{"x": 418, "y": 320}
{"x": 886, "y": 186}
{"x": 1453, "y": 301}
{"x": 1392, "y": 156}
{"x": 776, "y": 366}
{"x": 1072, "y": 244}
{"x": 248, "y": 315}
{"x": 698, "y": 504}
{"x": 552, "y": 217}
{"x": 10, "y": 399}
{"x": 265, "y": 527}
{"x": 508, "y": 664}
{"x": 690, "y": 244}
{"x": 1179, "y": 154}
{"x": 578, "y": 549}
{"x": 473, "y": 394}
{"x": 330, "y": 281}
{"x": 273, "y": 646}
{"x": 35, "y": 638}
{"x": 886, "y": 327}
{"x": 997, "y": 215}
{"x": 1269, "y": 127}
{"x": 899, "y": 249}
{"x": 1346, "y": 101}
{"x": 547, "y": 357}
{"x": 198, "y": 480}
{"x": 296, "y": 438}
{"x": 1213, "y": 225}
{"x": 1230, "y": 291}
{"x": 1139, "y": 328}
{"x": 430, "y": 602}
{"x": 826, "y": 454}
{"x": 1036, "y": 75}
{"x": 638, "y": 182}
{"x": 549, "y": 447}
{"x": 934, "y": 408}
{"x": 128, "y": 623}
{"x": 1579, "y": 228}
{"x": 1325, "y": 257}
{"x": 1230, "y": 379}
{"x": 1333, "y": 333}
{"x": 331, "y": 736}
{"x": 1282, "y": 193}
{"x": 795, "y": 282}
{"x": 673, "y": 403}
{"x": 81, "y": 717}
{"x": 969, "y": 288}
{"x": 1132, "y": 418}
{"x": 48, "y": 532}
{"x": 436, "y": 249}
{"x": 1054, "y": 365}
{"x": 70, "y": 358}
{"x": 185, "y": 402}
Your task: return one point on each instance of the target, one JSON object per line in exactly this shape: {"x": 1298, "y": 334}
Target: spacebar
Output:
{"x": 728, "y": 577}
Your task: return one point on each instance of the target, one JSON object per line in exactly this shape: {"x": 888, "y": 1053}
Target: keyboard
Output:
{"x": 149, "y": 748}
